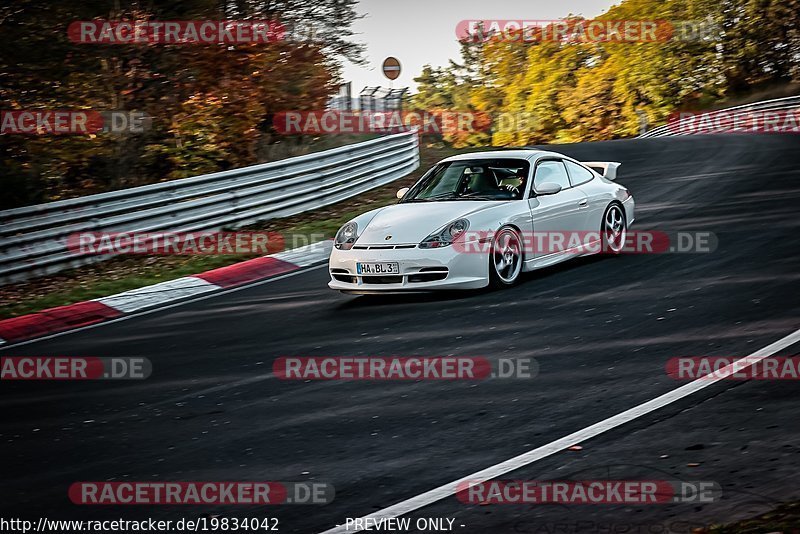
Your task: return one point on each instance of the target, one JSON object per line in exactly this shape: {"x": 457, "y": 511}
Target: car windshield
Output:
{"x": 472, "y": 179}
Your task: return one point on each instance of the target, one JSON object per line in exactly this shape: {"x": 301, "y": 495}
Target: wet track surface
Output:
{"x": 601, "y": 330}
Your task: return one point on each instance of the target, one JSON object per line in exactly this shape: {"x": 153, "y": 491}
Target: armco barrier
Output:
{"x": 722, "y": 119}
{"x": 33, "y": 239}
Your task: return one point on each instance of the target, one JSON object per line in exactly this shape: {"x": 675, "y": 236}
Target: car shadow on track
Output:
{"x": 409, "y": 298}
{"x": 526, "y": 279}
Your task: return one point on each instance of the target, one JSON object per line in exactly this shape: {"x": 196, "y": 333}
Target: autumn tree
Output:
{"x": 580, "y": 90}
{"x": 211, "y": 104}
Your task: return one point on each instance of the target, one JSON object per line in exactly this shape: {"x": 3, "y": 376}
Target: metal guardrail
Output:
{"x": 723, "y": 119}
{"x": 33, "y": 239}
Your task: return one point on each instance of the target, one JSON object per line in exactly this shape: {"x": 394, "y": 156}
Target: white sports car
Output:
{"x": 481, "y": 219}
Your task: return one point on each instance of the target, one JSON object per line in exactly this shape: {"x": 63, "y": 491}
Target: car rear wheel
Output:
{"x": 614, "y": 229}
{"x": 505, "y": 258}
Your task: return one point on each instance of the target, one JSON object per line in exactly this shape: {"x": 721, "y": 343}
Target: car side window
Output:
{"x": 551, "y": 171}
{"x": 578, "y": 175}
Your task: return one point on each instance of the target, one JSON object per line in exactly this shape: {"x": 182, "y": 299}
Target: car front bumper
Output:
{"x": 420, "y": 269}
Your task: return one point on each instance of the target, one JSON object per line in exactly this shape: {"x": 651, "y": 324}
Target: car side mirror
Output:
{"x": 547, "y": 188}
{"x": 402, "y": 192}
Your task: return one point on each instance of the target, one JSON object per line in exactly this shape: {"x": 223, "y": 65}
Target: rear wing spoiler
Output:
{"x": 607, "y": 168}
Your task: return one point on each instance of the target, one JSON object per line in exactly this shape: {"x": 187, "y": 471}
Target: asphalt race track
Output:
{"x": 600, "y": 328}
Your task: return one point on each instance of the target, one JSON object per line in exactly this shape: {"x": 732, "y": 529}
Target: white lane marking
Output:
{"x": 307, "y": 255}
{"x": 167, "y": 307}
{"x": 596, "y": 429}
{"x": 157, "y": 294}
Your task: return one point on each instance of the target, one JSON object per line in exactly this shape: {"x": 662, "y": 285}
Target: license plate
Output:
{"x": 378, "y": 268}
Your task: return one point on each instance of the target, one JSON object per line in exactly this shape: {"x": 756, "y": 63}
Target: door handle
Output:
{"x": 583, "y": 203}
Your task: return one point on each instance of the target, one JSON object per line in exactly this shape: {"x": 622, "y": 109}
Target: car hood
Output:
{"x": 412, "y": 222}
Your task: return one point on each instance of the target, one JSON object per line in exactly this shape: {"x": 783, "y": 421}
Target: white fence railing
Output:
{"x": 766, "y": 116}
{"x": 33, "y": 239}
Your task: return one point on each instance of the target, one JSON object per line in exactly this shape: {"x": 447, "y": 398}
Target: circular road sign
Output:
{"x": 391, "y": 68}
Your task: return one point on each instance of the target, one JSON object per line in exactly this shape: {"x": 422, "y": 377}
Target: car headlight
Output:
{"x": 346, "y": 236}
{"x": 444, "y": 236}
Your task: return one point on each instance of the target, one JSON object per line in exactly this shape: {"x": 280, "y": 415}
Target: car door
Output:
{"x": 556, "y": 217}
{"x": 585, "y": 180}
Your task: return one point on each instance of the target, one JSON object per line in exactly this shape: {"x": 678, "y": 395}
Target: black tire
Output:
{"x": 505, "y": 258}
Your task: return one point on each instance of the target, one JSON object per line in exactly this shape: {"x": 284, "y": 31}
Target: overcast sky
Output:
{"x": 418, "y": 32}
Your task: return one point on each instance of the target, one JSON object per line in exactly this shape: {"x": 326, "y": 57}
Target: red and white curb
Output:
{"x": 95, "y": 311}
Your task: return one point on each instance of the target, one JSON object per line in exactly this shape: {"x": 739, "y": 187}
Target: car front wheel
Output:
{"x": 505, "y": 258}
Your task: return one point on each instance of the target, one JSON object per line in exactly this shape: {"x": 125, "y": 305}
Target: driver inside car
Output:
{"x": 484, "y": 181}
{"x": 512, "y": 183}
